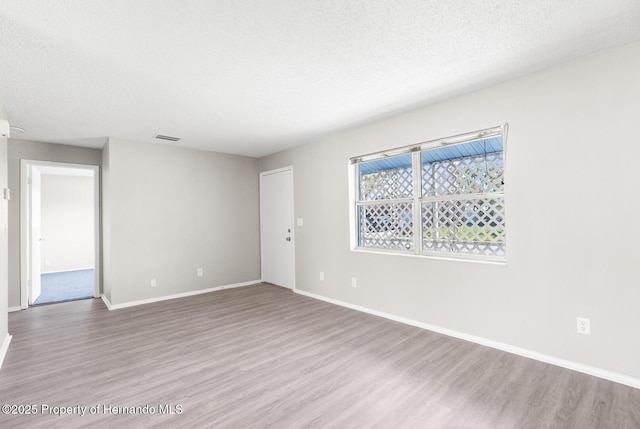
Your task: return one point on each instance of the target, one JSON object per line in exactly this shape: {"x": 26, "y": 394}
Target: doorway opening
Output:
{"x": 59, "y": 217}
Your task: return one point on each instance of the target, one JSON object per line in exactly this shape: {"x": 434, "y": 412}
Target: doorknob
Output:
{"x": 288, "y": 238}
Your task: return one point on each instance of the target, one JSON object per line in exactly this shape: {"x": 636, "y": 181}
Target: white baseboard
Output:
{"x": 106, "y": 301}
{"x": 174, "y": 296}
{"x": 5, "y": 348}
{"x": 586, "y": 369}
{"x": 12, "y": 309}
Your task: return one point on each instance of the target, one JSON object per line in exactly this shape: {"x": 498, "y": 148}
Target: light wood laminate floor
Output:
{"x": 264, "y": 357}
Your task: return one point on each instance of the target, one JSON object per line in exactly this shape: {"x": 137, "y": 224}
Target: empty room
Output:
{"x": 328, "y": 214}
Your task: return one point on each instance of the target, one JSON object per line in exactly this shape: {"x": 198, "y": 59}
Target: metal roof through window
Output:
{"x": 461, "y": 150}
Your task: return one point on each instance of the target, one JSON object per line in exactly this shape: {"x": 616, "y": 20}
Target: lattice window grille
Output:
{"x": 453, "y": 221}
{"x": 470, "y": 175}
{"x": 386, "y": 225}
{"x": 466, "y": 226}
{"x": 387, "y": 184}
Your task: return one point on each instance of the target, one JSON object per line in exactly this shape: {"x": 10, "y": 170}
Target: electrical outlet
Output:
{"x": 321, "y": 275}
{"x": 153, "y": 282}
{"x": 199, "y": 272}
{"x": 583, "y": 326}
{"x": 354, "y": 282}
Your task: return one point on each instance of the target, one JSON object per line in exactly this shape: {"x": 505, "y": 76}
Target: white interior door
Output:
{"x": 36, "y": 238}
{"x": 276, "y": 227}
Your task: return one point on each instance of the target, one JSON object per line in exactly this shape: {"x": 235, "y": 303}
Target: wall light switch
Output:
{"x": 300, "y": 222}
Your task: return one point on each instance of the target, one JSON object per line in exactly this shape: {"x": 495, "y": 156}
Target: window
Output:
{"x": 444, "y": 198}
{"x": 385, "y": 203}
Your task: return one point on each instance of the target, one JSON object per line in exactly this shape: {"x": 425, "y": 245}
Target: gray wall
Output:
{"x": 572, "y": 205}
{"x": 39, "y": 151}
{"x": 168, "y": 211}
{"x": 4, "y": 243}
{"x": 67, "y": 207}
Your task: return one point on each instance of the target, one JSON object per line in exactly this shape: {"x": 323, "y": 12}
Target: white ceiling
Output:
{"x": 253, "y": 77}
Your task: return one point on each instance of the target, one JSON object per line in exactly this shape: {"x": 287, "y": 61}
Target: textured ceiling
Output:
{"x": 254, "y": 77}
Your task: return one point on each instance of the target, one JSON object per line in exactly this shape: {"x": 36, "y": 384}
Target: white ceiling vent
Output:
{"x": 162, "y": 137}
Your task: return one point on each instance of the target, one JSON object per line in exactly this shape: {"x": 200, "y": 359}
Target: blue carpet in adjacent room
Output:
{"x": 65, "y": 286}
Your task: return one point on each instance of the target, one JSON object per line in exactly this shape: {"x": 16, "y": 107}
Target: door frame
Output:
{"x": 26, "y": 168}
{"x": 293, "y": 228}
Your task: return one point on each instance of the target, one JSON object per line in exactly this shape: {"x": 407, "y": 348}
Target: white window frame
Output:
{"x": 417, "y": 197}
